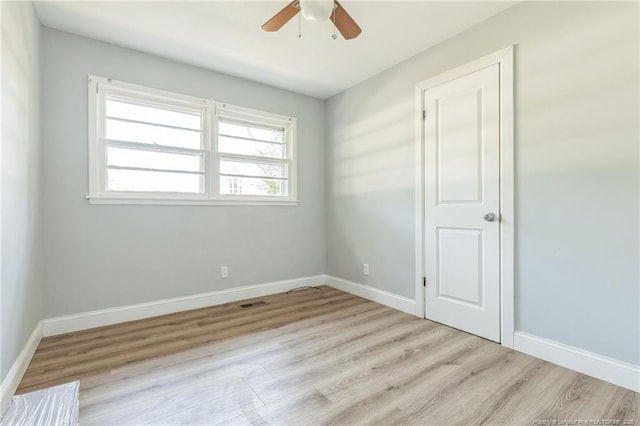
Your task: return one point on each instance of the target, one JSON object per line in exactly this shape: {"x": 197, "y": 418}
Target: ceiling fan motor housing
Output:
{"x": 316, "y": 10}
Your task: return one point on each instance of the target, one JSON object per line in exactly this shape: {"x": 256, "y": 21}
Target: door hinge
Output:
{"x": 424, "y": 281}
{"x": 424, "y": 114}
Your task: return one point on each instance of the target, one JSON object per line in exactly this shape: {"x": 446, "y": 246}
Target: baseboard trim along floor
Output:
{"x": 14, "y": 376}
{"x": 595, "y": 365}
{"x": 100, "y": 318}
{"x": 386, "y": 298}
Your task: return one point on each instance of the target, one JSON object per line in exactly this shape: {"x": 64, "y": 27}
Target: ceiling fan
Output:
{"x": 316, "y": 10}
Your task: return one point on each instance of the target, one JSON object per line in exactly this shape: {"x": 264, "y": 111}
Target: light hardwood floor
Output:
{"x": 313, "y": 357}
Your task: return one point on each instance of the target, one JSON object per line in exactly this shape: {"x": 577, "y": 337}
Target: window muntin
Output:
{"x": 118, "y": 156}
{"x": 251, "y": 148}
{"x": 147, "y": 144}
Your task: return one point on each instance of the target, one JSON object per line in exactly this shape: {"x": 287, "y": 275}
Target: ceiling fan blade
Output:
{"x": 345, "y": 23}
{"x": 282, "y": 17}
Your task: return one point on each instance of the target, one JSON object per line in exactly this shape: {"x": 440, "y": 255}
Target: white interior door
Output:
{"x": 462, "y": 200}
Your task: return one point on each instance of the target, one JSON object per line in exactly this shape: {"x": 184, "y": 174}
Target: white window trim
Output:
{"x": 97, "y": 193}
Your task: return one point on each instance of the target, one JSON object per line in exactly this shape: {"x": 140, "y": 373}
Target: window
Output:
{"x": 254, "y": 154}
{"x": 149, "y": 146}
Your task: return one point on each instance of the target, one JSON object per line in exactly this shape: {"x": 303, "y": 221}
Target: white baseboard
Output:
{"x": 86, "y": 320}
{"x": 14, "y": 376}
{"x": 598, "y": 366}
{"x": 391, "y": 300}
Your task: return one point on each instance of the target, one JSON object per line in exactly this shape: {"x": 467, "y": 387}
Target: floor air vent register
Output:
{"x": 252, "y": 304}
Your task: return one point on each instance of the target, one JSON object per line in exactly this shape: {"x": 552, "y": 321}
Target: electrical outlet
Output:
{"x": 224, "y": 272}
{"x": 366, "y": 269}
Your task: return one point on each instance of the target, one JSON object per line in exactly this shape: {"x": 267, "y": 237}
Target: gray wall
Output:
{"x": 21, "y": 278}
{"x": 577, "y": 168}
{"x": 101, "y": 256}
{"x": 577, "y": 165}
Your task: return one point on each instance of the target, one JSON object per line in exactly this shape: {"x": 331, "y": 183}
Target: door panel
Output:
{"x": 460, "y": 265}
{"x": 458, "y": 144}
{"x": 462, "y": 249}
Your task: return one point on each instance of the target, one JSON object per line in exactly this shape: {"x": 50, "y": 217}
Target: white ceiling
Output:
{"x": 225, "y": 36}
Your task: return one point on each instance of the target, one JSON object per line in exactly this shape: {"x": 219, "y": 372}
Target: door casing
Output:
{"x": 504, "y": 58}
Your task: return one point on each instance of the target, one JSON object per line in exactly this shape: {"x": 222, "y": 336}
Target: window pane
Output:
{"x": 125, "y": 157}
{"x": 143, "y": 181}
{"x": 151, "y": 134}
{"x": 249, "y": 131}
{"x": 247, "y": 147}
{"x": 149, "y": 114}
{"x": 253, "y": 169}
{"x": 231, "y": 185}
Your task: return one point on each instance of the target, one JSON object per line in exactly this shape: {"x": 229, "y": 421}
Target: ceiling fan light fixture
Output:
{"x": 316, "y": 10}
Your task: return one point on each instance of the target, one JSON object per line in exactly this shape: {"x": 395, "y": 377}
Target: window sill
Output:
{"x": 188, "y": 202}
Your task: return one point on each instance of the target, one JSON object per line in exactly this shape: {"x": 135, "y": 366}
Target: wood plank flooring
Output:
{"x": 313, "y": 357}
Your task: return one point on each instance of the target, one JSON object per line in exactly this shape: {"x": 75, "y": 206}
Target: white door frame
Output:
{"x": 504, "y": 58}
